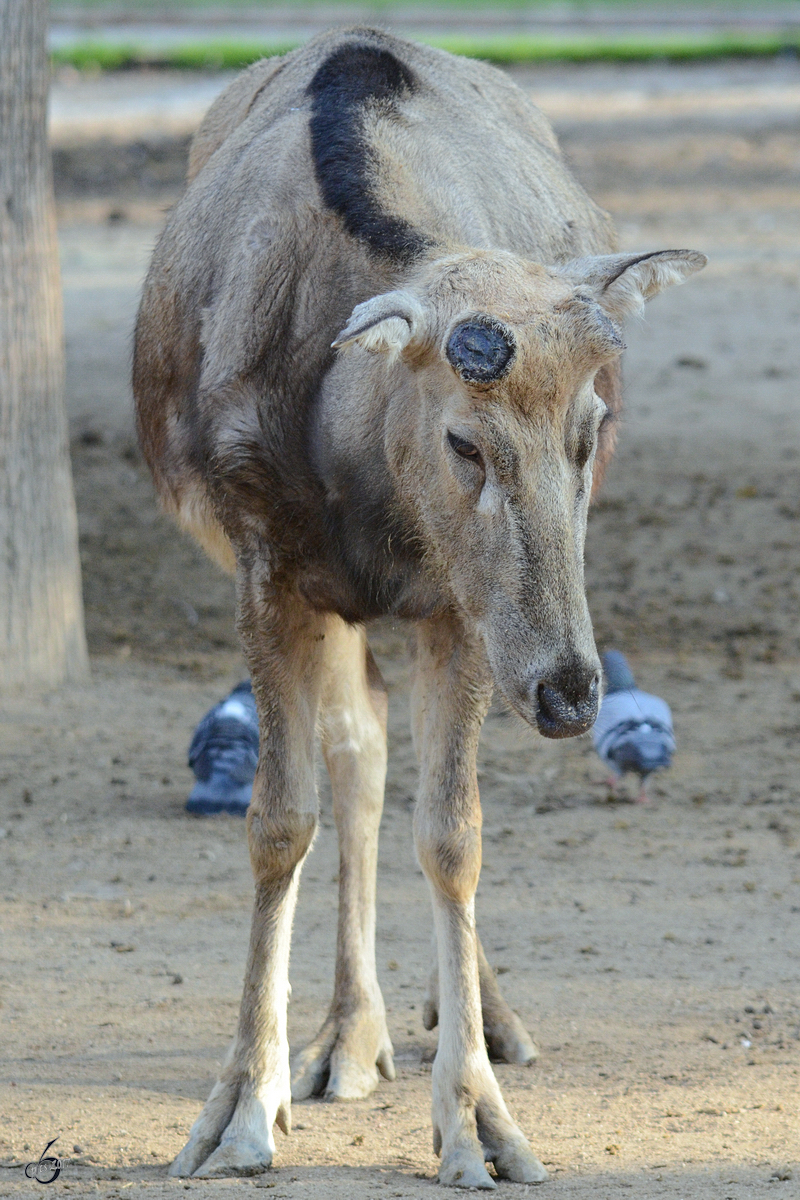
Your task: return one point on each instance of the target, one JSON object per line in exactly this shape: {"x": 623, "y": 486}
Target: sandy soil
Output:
{"x": 653, "y": 952}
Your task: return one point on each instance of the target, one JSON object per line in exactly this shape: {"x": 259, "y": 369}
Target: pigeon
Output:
{"x": 633, "y": 730}
{"x": 224, "y": 755}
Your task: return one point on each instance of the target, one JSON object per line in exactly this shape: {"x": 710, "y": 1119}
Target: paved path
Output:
{"x": 289, "y": 23}
{"x": 130, "y": 105}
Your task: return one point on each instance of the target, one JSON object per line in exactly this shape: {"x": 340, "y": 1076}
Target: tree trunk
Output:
{"x": 42, "y": 639}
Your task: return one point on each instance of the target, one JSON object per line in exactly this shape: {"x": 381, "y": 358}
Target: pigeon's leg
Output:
{"x": 643, "y": 798}
{"x": 612, "y": 783}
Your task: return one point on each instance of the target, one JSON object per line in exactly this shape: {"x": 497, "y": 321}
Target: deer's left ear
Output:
{"x": 620, "y": 283}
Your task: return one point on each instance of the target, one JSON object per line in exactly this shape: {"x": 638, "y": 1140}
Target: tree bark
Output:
{"x": 42, "y": 639}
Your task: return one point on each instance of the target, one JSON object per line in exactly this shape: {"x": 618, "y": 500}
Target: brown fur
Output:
{"x": 367, "y": 367}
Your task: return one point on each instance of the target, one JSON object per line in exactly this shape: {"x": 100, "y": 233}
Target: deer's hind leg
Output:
{"x": 507, "y": 1039}
{"x": 353, "y": 1045}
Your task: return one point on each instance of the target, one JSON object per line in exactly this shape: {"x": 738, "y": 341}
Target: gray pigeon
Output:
{"x": 633, "y": 730}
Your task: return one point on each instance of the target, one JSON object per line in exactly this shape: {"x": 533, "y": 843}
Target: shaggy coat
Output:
{"x": 318, "y": 181}
{"x": 376, "y": 373}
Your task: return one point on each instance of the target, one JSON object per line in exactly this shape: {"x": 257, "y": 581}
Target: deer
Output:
{"x": 377, "y": 372}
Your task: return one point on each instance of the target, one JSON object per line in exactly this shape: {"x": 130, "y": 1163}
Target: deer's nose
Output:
{"x": 567, "y": 702}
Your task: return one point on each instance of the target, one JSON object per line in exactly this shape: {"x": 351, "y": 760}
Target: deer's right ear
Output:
{"x": 385, "y": 324}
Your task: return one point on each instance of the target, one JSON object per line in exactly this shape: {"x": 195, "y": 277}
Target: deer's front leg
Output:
{"x": 234, "y": 1133}
{"x": 471, "y": 1124}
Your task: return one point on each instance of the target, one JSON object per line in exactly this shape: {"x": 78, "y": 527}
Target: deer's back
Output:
{"x": 316, "y": 181}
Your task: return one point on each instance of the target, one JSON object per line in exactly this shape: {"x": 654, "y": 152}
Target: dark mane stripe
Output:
{"x": 355, "y": 75}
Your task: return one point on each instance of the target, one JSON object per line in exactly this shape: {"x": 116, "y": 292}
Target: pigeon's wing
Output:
{"x": 656, "y": 712}
{"x": 616, "y": 709}
{"x": 621, "y": 712}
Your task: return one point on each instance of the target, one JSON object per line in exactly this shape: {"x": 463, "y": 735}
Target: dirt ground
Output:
{"x": 653, "y": 951}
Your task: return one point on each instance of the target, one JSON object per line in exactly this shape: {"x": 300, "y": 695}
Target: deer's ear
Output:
{"x": 622, "y": 282}
{"x": 385, "y": 324}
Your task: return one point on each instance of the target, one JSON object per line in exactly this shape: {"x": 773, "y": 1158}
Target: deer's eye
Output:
{"x": 583, "y": 451}
{"x": 464, "y": 449}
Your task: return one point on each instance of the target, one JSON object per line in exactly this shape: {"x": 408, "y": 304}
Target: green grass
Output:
{"x": 526, "y": 48}
{"x": 231, "y": 53}
{"x": 215, "y": 54}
